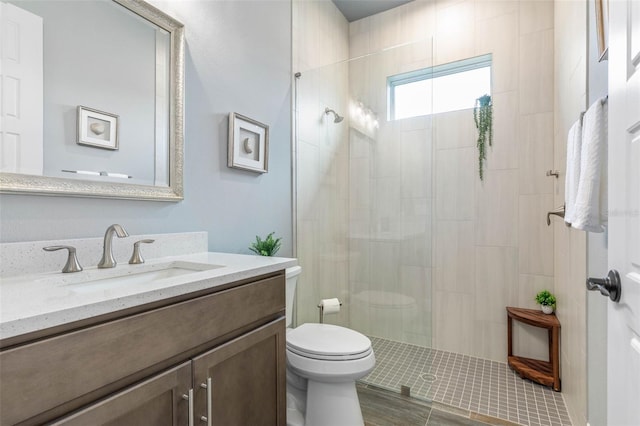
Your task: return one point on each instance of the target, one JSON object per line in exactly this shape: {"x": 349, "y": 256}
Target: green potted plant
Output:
{"x": 483, "y": 117}
{"x": 547, "y": 301}
{"x": 267, "y": 247}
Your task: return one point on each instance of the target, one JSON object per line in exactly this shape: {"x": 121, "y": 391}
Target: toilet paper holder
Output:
{"x": 321, "y": 308}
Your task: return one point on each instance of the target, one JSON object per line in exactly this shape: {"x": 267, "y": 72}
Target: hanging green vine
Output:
{"x": 483, "y": 116}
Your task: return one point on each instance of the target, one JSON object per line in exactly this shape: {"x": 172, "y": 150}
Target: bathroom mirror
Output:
{"x": 107, "y": 114}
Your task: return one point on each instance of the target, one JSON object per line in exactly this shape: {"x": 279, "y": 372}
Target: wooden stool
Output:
{"x": 544, "y": 372}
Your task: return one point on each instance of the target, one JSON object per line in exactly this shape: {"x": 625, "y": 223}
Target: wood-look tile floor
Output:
{"x": 385, "y": 408}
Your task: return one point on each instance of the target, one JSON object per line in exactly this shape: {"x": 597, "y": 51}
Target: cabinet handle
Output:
{"x": 209, "y": 387}
{"x": 189, "y": 397}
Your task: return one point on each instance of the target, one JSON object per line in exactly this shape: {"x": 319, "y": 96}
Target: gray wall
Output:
{"x": 238, "y": 58}
{"x": 95, "y": 71}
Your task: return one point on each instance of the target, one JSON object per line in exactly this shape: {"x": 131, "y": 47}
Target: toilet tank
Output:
{"x": 291, "y": 275}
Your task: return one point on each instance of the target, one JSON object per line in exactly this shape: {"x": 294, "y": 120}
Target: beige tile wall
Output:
{"x": 570, "y": 261}
{"x": 320, "y": 45}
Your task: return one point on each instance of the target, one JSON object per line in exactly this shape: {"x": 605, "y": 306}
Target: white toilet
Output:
{"x": 323, "y": 363}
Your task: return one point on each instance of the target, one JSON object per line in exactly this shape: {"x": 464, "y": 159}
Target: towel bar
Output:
{"x": 559, "y": 211}
{"x": 602, "y": 102}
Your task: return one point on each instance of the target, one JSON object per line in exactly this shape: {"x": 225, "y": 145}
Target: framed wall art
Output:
{"x": 248, "y": 144}
{"x": 97, "y": 128}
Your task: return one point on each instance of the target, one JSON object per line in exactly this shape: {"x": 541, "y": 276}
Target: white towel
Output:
{"x": 574, "y": 145}
{"x": 591, "y": 201}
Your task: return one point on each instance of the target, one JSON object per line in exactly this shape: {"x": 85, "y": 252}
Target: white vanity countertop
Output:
{"x": 35, "y": 302}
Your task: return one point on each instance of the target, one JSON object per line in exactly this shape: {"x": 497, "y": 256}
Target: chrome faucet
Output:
{"x": 108, "y": 261}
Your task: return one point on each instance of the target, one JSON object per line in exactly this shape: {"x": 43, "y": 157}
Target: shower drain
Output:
{"x": 428, "y": 377}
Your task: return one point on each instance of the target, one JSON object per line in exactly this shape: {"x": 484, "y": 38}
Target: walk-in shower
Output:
{"x": 385, "y": 223}
{"x": 391, "y": 216}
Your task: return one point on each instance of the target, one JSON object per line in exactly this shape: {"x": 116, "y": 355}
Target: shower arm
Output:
{"x": 336, "y": 117}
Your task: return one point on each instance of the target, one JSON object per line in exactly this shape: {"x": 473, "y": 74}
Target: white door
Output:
{"x": 623, "y": 372}
{"x": 21, "y": 91}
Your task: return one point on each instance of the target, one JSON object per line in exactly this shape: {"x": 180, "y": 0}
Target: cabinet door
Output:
{"x": 247, "y": 380}
{"x": 156, "y": 401}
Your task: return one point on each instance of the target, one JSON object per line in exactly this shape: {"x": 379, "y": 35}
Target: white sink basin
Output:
{"x": 136, "y": 275}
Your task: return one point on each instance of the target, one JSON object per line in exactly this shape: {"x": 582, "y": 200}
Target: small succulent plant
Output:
{"x": 267, "y": 247}
{"x": 546, "y": 298}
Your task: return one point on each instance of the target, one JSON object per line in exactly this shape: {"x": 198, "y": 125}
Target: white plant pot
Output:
{"x": 547, "y": 309}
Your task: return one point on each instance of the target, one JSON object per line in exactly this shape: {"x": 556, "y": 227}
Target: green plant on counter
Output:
{"x": 483, "y": 117}
{"x": 546, "y": 298}
{"x": 267, "y": 247}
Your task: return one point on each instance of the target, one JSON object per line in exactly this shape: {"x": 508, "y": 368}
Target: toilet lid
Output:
{"x": 326, "y": 341}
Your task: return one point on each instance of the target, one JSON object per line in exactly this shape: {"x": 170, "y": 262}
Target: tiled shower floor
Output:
{"x": 467, "y": 383}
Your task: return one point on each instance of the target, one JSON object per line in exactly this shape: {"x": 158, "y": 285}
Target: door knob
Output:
{"x": 608, "y": 286}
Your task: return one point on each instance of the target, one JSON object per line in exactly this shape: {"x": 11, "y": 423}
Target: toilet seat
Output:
{"x": 328, "y": 342}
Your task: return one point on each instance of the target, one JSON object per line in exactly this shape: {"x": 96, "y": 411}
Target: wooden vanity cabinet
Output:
{"x": 139, "y": 369}
{"x": 240, "y": 383}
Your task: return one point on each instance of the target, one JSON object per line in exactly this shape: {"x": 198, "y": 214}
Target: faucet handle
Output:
{"x": 72, "y": 264}
{"x": 136, "y": 257}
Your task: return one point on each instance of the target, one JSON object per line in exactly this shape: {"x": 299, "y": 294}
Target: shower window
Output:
{"x": 448, "y": 87}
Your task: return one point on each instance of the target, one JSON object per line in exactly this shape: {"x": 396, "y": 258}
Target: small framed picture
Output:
{"x": 97, "y": 128}
{"x": 248, "y": 144}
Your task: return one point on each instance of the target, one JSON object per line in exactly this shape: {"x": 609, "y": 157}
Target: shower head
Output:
{"x": 336, "y": 117}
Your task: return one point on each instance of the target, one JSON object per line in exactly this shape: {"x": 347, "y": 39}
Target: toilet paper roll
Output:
{"x": 330, "y": 306}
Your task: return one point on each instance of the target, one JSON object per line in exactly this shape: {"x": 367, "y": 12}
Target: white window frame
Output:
{"x": 456, "y": 67}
